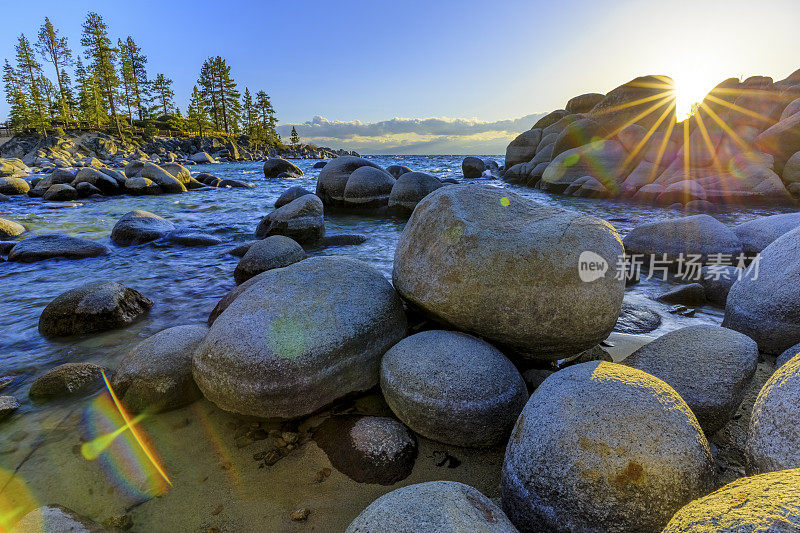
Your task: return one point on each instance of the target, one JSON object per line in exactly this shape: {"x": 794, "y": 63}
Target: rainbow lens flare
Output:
{"x": 122, "y": 449}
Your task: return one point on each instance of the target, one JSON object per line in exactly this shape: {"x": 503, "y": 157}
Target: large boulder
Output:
{"x": 397, "y": 170}
{"x": 368, "y": 187}
{"x": 41, "y": 247}
{"x": 276, "y": 251}
{"x": 604, "y": 160}
{"x": 332, "y": 179}
{"x": 139, "y": 186}
{"x": 299, "y": 338}
{"x": 787, "y": 354}
{"x": 640, "y": 101}
{"x": 138, "y": 227}
{"x": 603, "y": 447}
{"x": 62, "y": 193}
{"x": 469, "y": 251}
{"x": 202, "y": 157}
{"x": 302, "y": 220}
{"x": 278, "y": 165}
{"x": 440, "y": 506}
{"x": 717, "y": 281}
{"x": 709, "y": 366}
{"x": 180, "y": 173}
{"x": 13, "y": 186}
{"x": 767, "y": 502}
{"x": 165, "y": 181}
{"x": 91, "y": 308}
{"x": 475, "y": 406}
{"x": 765, "y": 303}
{"x": 523, "y": 147}
{"x": 409, "y": 189}
{"x": 9, "y": 229}
{"x": 781, "y": 141}
{"x": 759, "y": 233}
{"x": 94, "y": 177}
{"x": 774, "y": 432}
{"x": 156, "y": 375}
{"x": 472, "y": 167}
{"x": 578, "y": 133}
{"x": 584, "y": 103}
{"x": 696, "y": 235}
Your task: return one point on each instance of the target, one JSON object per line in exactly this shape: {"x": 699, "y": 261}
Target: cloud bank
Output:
{"x": 413, "y": 135}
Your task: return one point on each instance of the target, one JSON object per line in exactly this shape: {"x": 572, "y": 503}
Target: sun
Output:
{"x": 690, "y": 88}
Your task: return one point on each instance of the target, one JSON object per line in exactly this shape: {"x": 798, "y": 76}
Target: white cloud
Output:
{"x": 412, "y": 135}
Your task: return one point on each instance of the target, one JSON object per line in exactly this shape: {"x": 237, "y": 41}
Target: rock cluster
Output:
{"x": 740, "y": 147}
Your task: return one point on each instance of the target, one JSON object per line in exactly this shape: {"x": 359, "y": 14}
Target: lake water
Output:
{"x": 185, "y": 283}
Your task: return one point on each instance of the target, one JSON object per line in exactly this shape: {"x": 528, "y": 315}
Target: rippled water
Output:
{"x": 186, "y": 282}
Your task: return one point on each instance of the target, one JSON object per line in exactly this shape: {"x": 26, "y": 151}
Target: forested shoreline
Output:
{"x": 106, "y": 87}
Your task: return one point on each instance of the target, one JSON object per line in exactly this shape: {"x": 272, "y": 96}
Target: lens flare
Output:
{"x": 15, "y": 500}
{"x": 122, "y": 449}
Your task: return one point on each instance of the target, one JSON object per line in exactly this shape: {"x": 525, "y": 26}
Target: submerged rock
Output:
{"x": 301, "y": 219}
{"x": 138, "y": 227}
{"x": 766, "y": 306}
{"x": 637, "y": 319}
{"x": 636, "y": 453}
{"x": 467, "y": 250}
{"x": 10, "y": 229}
{"x": 368, "y": 449}
{"x": 299, "y": 338}
{"x": 440, "y": 506}
{"x": 156, "y": 374}
{"x": 41, "y": 247}
{"x": 191, "y": 237}
{"x": 767, "y": 502}
{"x": 276, "y": 251}
{"x": 67, "y": 380}
{"x": 709, "y": 366}
{"x": 452, "y": 388}
{"x": 91, "y": 308}
{"x": 774, "y": 431}
{"x": 8, "y": 405}
{"x": 56, "y": 518}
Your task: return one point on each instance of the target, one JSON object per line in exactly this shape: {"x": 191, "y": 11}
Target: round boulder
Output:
{"x": 67, "y": 380}
{"x": 277, "y": 165}
{"x": 290, "y": 194}
{"x": 765, "y": 303}
{"x": 41, "y": 247}
{"x": 774, "y": 431}
{"x": 493, "y": 263}
{"x": 299, "y": 338}
{"x": 333, "y": 178}
{"x": 603, "y": 447}
{"x": 409, "y": 189}
{"x": 789, "y": 353}
{"x": 709, "y": 366}
{"x": 368, "y": 187}
{"x": 137, "y": 227}
{"x": 61, "y": 193}
{"x": 14, "y": 186}
{"x": 398, "y": 170}
{"x": 91, "y": 308}
{"x": 156, "y": 374}
{"x": 368, "y": 449}
{"x": 767, "y": 502}
{"x": 761, "y": 232}
{"x": 475, "y": 405}
{"x": 440, "y": 506}
{"x": 302, "y": 220}
{"x": 275, "y": 251}
{"x": 472, "y": 167}
{"x": 9, "y": 229}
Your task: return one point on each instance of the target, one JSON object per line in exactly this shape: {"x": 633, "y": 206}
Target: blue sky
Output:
{"x": 353, "y": 63}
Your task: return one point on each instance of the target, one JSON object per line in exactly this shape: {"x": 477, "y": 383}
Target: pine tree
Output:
{"x": 31, "y": 72}
{"x": 126, "y": 71}
{"x": 102, "y": 56}
{"x": 20, "y": 114}
{"x": 248, "y": 113}
{"x": 55, "y": 50}
{"x": 139, "y": 85}
{"x": 266, "y": 115}
{"x": 294, "y": 138}
{"x": 208, "y": 86}
{"x": 196, "y": 113}
{"x": 90, "y": 99}
{"x": 220, "y": 92}
{"x": 161, "y": 88}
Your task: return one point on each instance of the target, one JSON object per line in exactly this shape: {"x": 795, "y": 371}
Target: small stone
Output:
{"x": 290, "y": 437}
{"x": 67, "y": 380}
{"x": 123, "y": 521}
{"x": 300, "y": 515}
{"x": 691, "y": 294}
{"x": 8, "y": 404}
